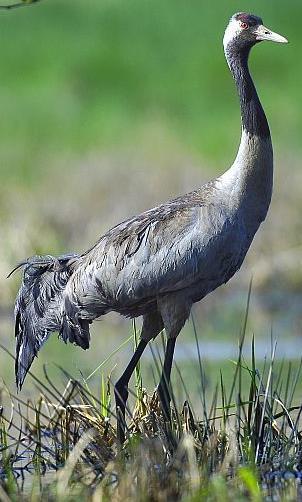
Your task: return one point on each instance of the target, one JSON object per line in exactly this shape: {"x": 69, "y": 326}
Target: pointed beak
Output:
{"x": 263, "y": 33}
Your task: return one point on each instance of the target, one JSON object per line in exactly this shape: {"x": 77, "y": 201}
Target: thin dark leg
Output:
{"x": 164, "y": 384}
{"x": 121, "y": 390}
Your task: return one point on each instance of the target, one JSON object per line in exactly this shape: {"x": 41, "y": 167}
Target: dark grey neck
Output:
{"x": 252, "y": 114}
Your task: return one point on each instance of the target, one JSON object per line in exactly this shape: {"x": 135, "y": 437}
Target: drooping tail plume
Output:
{"x": 38, "y": 306}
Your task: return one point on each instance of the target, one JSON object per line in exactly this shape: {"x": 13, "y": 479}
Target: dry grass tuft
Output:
{"x": 247, "y": 446}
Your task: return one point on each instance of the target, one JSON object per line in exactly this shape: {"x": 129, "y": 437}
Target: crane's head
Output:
{"x": 245, "y": 30}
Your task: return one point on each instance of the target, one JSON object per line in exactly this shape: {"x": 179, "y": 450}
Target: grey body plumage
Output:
{"x": 159, "y": 263}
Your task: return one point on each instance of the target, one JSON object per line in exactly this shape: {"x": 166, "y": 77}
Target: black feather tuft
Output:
{"x": 38, "y": 306}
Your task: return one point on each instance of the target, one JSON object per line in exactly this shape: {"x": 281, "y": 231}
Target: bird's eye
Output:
{"x": 244, "y": 26}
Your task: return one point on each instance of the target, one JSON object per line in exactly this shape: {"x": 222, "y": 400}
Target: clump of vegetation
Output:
{"x": 247, "y": 445}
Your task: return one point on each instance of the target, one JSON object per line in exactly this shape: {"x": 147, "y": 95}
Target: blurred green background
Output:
{"x": 109, "y": 107}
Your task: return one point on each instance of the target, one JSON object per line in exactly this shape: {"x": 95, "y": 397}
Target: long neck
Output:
{"x": 249, "y": 181}
{"x": 252, "y": 114}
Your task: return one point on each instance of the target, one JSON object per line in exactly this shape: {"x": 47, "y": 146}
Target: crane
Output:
{"x": 159, "y": 263}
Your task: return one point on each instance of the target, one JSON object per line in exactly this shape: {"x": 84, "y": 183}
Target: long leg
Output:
{"x": 152, "y": 325}
{"x": 175, "y": 311}
{"x": 121, "y": 390}
{"x": 164, "y": 383}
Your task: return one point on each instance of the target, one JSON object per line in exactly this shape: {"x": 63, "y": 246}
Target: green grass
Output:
{"x": 246, "y": 446}
{"x": 233, "y": 434}
{"x": 79, "y": 76}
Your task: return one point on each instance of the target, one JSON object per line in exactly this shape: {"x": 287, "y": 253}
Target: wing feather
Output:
{"x": 159, "y": 251}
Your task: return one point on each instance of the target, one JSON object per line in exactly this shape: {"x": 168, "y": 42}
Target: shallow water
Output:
{"x": 212, "y": 350}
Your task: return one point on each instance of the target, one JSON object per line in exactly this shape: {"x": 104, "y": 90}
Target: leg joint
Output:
{"x": 121, "y": 391}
